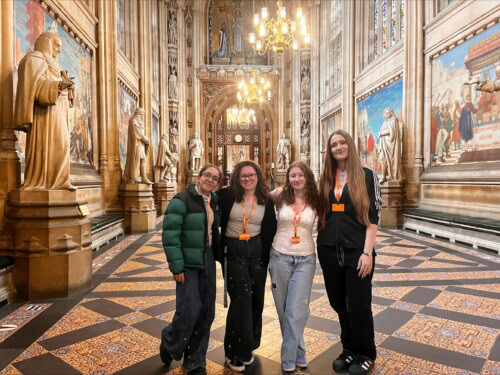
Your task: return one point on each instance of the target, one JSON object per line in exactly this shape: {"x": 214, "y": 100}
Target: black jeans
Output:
{"x": 246, "y": 279}
{"x": 351, "y": 298}
{"x": 189, "y": 332}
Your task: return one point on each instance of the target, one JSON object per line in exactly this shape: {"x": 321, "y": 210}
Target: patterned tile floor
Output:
{"x": 436, "y": 308}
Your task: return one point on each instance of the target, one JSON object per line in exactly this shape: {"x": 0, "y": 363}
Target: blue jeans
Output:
{"x": 292, "y": 278}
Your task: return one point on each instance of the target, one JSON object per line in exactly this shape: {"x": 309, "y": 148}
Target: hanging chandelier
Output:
{"x": 279, "y": 34}
{"x": 257, "y": 91}
{"x": 242, "y": 117}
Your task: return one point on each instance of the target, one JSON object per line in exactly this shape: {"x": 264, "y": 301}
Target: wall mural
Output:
{"x": 229, "y": 23}
{"x": 371, "y": 118}
{"x": 30, "y": 20}
{"x": 127, "y": 107}
{"x": 465, "y": 123}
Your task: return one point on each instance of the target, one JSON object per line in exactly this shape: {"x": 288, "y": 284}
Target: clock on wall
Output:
{"x": 238, "y": 138}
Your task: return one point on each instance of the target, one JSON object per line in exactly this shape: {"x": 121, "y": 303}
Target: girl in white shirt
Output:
{"x": 293, "y": 260}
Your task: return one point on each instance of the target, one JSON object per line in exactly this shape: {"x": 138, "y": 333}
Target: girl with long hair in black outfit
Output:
{"x": 248, "y": 225}
{"x": 349, "y": 202}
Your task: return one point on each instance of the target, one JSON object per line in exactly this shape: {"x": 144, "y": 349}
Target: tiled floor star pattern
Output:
{"x": 436, "y": 307}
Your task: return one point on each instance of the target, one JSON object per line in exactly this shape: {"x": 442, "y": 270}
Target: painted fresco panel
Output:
{"x": 371, "y": 118}
{"x": 127, "y": 109}
{"x": 229, "y": 24}
{"x": 30, "y": 20}
{"x": 465, "y": 123}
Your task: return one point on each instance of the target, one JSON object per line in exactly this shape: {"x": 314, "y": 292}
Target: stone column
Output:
{"x": 10, "y": 166}
{"x": 413, "y": 105}
{"x": 315, "y": 147}
{"x": 139, "y": 208}
{"x": 348, "y": 43}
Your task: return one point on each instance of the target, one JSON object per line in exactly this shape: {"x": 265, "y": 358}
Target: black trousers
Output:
{"x": 189, "y": 332}
{"x": 351, "y": 298}
{"x": 246, "y": 281}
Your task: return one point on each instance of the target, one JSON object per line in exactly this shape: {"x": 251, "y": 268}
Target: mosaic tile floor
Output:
{"x": 436, "y": 308}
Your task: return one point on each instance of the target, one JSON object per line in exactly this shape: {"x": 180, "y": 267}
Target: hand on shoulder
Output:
{"x": 275, "y": 194}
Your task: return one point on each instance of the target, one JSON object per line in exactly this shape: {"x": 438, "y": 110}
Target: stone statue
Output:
{"x": 172, "y": 84}
{"x": 166, "y": 160}
{"x": 305, "y": 133}
{"x": 172, "y": 28}
{"x": 196, "y": 151}
{"x": 305, "y": 88}
{"x": 137, "y": 149}
{"x": 174, "y": 135}
{"x": 44, "y": 96}
{"x": 283, "y": 151}
{"x": 390, "y": 147}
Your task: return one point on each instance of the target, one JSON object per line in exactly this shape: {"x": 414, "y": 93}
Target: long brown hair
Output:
{"x": 287, "y": 195}
{"x": 261, "y": 190}
{"x": 357, "y": 182}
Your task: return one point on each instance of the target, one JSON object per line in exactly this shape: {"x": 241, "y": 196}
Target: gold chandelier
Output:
{"x": 279, "y": 34}
{"x": 241, "y": 117}
{"x": 255, "y": 92}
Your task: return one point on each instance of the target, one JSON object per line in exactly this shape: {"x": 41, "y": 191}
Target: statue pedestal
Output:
{"x": 52, "y": 243}
{"x": 280, "y": 178}
{"x": 193, "y": 177}
{"x": 392, "y": 204}
{"x": 138, "y": 207}
{"x": 164, "y": 192}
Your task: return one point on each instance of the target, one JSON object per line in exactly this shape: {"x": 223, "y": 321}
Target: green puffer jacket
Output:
{"x": 185, "y": 234}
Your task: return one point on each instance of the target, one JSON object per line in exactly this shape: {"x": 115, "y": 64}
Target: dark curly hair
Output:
{"x": 261, "y": 190}
{"x": 287, "y": 195}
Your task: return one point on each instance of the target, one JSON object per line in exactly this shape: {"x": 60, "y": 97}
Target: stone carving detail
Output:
{"x": 44, "y": 95}
{"x": 207, "y": 71}
{"x": 305, "y": 132}
{"x": 188, "y": 17}
{"x": 305, "y": 79}
{"x": 196, "y": 151}
{"x": 189, "y": 80}
{"x": 166, "y": 160}
{"x": 137, "y": 150}
{"x": 173, "y": 132}
{"x": 189, "y": 41}
{"x": 172, "y": 82}
{"x": 210, "y": 90}
{"x": 189, "y": 61}
{"x": 283, "y": 152}
{"x": 172, "y": 26}
{"x": 390, "y": 147}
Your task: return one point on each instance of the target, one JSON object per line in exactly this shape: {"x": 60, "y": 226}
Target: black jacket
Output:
{"x": 343, "y": 228}
{"x": 269, "y": 224}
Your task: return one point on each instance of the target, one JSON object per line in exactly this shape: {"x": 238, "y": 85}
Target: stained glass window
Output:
{"x": 388, "y": 25}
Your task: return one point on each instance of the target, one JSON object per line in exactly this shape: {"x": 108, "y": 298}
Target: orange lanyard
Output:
{"x": 245, "y": 221}
{"x": 338, "y": 187}
{"x": 296, "y": 218}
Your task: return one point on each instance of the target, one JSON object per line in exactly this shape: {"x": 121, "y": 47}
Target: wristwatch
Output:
{"x": 367, "y": 254}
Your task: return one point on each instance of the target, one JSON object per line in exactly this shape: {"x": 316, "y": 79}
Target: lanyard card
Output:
{"x": 244, "y": 236}
{"x": 338, "y": 207}
{"x": 295, "y": 240}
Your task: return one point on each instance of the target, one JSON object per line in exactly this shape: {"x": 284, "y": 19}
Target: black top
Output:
{"x": 268, "y": 227}
{"x": 343, "y": 228}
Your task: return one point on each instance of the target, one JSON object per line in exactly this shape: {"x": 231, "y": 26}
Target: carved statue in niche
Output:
{"x": 304, "y": 133}
{"x": 172, "y": 83}
{"x": 44, "y": 96}
{"x": 283, "y": 150}
{"x": 390, "y": 147}
{"x": 196, "y": 151}
{"x": 166, "y": 160}
{"x": 172, "y": 27}
{"x": 174, "y": 133}
{"x": 305, "y": 88}
{"x": 137, "y": 149}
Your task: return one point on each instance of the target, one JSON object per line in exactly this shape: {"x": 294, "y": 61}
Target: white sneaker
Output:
{"x": 249, "y": 362}
{"x": 235, "y": 365}
{"x": 289, "y": 368}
